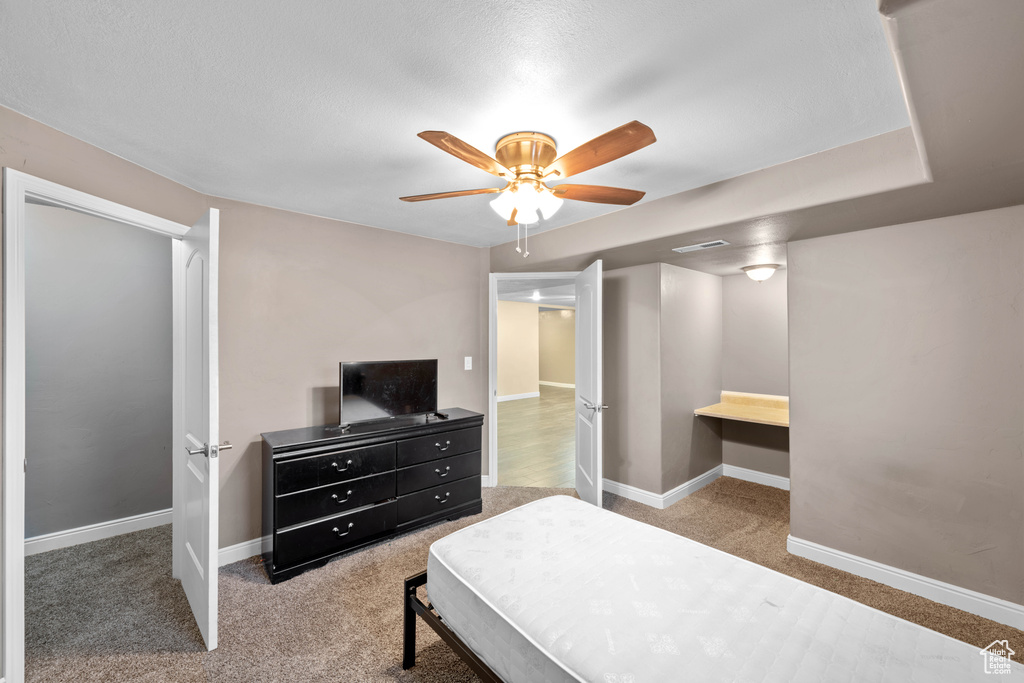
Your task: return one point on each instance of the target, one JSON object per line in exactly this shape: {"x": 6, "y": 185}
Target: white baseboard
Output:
{"x": 755, "y": 476}
{"x": 241, "y": 551}
{"x": 485, "y": 480}
{"x": 663, "y": 500}
{"x": 686, "y": 488}
{"x": 516, "y": 397}
{"x": 1003, "y": 611}
{"x": 96, "y": 532}
{"x": 557, "y": 384}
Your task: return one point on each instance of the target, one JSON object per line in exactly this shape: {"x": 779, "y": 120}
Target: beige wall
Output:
{"x": 558, "y": 346}
{"x": 662, "y": 359}
{"x": 907, "y": 383}
{"x": 518, "y": 348}
{"x": 298, "y": 294}
{"x": 755, "y": 358}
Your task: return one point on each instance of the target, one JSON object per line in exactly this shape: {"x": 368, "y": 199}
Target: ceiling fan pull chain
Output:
{"x": 526, "y": 240}
{"x": 518, "y": 250}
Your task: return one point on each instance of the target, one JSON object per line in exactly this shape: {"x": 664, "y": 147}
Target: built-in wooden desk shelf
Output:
{"x": 760, "y": 408}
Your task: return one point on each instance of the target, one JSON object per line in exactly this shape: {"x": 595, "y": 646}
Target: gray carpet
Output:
{"x": 109, "y": 610}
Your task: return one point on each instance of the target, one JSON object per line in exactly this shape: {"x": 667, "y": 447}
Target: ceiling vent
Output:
{"x": 701, "y": 247}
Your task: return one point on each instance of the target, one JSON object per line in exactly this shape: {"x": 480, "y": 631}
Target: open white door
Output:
{"x": 588, "y": 384}
{"x": 196, "y": 422}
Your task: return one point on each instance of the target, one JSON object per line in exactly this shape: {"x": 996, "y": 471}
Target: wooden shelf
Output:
{"x": 760, "y": 408}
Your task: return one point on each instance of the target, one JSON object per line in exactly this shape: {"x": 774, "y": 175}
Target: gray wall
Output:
{"x": 691, "y": 373}
{"x": 98, "y": 370}
{"x": 632, "y": 376}
{"x": 755, "y": 337}
{"x": 662, "y": 359}
{"x": 907, "y": 380}
{"x": 755, "y": 359}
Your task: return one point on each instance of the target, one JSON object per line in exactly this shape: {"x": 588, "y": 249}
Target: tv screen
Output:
{"x": 377, "y": 390}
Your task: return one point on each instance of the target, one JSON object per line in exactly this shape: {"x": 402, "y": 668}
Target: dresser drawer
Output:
{"x": 296, "y": 508}
{"x": 337, "y": 466}
{"x": 425, "y": 448}
{"x": 334, "y": 534}
{"x": 438, "y": 472}
{"x": 437, "y": 499}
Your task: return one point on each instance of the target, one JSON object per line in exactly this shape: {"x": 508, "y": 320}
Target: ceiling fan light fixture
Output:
{"x": 504, "y": 204}
{"x": 527, "y": 217}
{"x": 549, "y": 204}
{"x": 526, "y": 200}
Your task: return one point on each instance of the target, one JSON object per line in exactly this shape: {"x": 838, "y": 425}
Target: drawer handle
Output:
{"x": 339, "y": 501}
{"x": 348, "y": 463}
{"x": 447, "y": 445}
{"x": 446, "y": 472}
{"x": 337, "y": 531}
{"x": 439, "y": 499}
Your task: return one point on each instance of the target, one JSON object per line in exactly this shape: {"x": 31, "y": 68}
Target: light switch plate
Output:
{"x": 469, "y": 362}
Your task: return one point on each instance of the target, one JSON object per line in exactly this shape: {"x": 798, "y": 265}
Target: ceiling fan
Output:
{"x": 527, "y": 161}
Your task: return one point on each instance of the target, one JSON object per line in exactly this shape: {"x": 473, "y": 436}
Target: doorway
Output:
{"x": 192, "y": 254}
{"x": 533, "y": 373}
{"x": 588, "y": 403}
{"x": 98, "y": 435}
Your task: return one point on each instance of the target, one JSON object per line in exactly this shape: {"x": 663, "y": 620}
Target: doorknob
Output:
{"x": 209, "y": 452}
{"x": 591, "y": 406}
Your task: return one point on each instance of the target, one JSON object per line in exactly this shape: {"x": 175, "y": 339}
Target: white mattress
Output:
{"x": 558, "y": 590}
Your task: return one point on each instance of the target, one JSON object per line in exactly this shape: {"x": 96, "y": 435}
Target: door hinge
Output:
{"x": 24, "y": 465}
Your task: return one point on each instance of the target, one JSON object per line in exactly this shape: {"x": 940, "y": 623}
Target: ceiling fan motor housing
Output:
{"x": 525, "y": 154}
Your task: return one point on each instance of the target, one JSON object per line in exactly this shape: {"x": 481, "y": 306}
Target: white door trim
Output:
{"x": 19, "y": 188}
{"x": 492, "y": 360}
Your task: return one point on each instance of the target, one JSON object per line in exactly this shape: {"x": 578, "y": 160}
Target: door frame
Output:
{"x": 19, "y": 188}
{"x": 492, "y": 359}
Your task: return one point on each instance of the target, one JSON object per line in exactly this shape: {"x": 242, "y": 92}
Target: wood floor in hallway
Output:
{"x": 537, "y": 440}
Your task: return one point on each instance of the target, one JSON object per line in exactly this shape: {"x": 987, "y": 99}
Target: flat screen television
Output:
{"x": 378, "y": 390}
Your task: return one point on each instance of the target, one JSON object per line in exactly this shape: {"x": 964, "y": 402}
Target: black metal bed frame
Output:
{"x": 414, "y": 606}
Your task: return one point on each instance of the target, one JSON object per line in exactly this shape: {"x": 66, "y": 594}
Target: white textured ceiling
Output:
{"x": 314, "y": 105}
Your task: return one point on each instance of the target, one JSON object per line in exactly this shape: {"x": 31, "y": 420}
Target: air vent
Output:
{"x": 701, "y": 247}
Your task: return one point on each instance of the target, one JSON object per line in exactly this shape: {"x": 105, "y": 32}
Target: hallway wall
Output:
{"x": 98, "y": 370}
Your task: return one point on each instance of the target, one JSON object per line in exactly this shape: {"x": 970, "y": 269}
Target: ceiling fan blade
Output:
{"x": 512, "y": 218}
{"x": 445, "y": 195}
{"x": 599, "y": 194}
{"x": 465, "y": 151}
{"x": 602, "y": 149}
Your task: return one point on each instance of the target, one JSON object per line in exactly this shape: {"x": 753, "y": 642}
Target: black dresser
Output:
{"x": 328, "y": 491}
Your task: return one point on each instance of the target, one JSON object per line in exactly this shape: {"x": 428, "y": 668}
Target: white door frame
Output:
{"x": 492, "y": 360}
{"x": 18, "y": 188}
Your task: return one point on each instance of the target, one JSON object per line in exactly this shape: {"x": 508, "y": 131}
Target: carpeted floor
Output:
{"x": 109, "y": 610}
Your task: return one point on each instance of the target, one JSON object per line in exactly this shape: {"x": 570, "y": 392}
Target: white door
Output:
{"x": 588, "y": 384}
{"x": 196, "y": 402}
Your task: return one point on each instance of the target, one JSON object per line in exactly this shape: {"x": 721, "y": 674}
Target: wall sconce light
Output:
{"x": 762, "y": 272}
